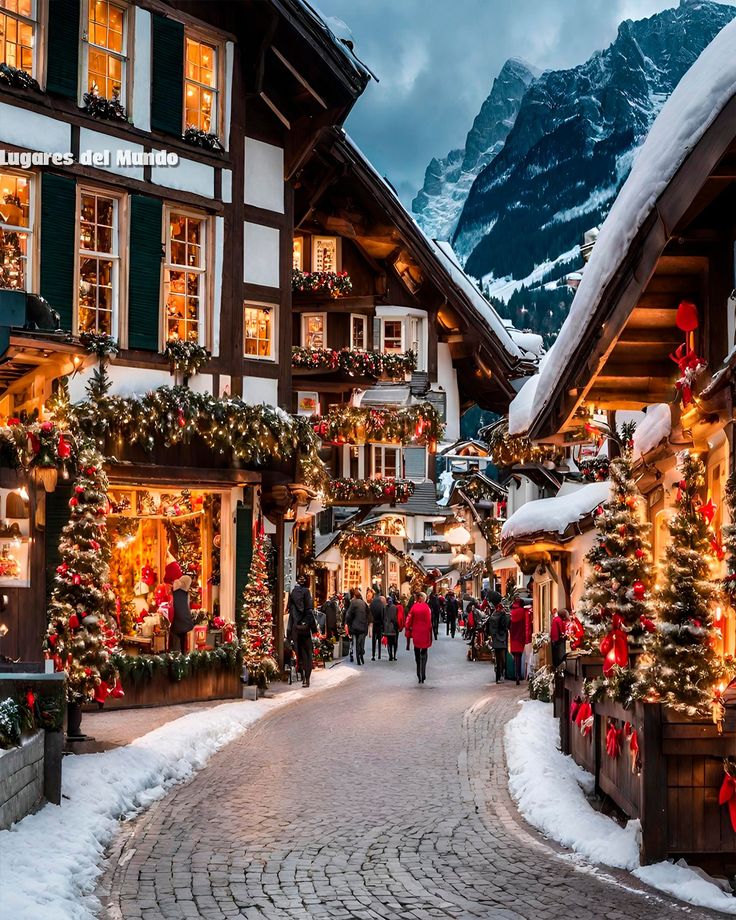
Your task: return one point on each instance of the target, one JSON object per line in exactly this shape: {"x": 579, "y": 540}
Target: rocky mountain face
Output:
{"x": 448, "y": 179}
{"x": 565, "y": 155}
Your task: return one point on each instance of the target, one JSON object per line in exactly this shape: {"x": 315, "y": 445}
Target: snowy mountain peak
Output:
{"x": 448, "y": 179}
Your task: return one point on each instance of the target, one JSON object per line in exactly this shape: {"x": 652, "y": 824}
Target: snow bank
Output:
{"x": 555, "y": 514}
{"x": 49, "y": 862}
{"x": 693, "y": 106}
{"x": 652, "y": 429}
{"x": 550, "y": 790}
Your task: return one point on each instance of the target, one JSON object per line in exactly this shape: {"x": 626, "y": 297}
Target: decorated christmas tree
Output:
{"x": 256, "y": 619}
{"x": 682, "y": 668}
{"x": 728, "y": 548}
{"x": 617, "y": 589}
{"x": 81, "y": 633}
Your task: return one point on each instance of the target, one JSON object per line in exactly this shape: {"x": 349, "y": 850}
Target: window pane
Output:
{"x": 16, "y": 36}
{"x": 325, "y": 254}
{"x": 14, "y": 241}
{"x": 359, "y": 333}
{"x": 97, "y": 276}
{"x": 184, "y": 290}
{"x": 258, "y": 333}
{"x": 200, "y": 86}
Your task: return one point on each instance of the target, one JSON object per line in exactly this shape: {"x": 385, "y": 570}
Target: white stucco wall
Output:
{"x": 126, "y": 381}
{"x": 258, "y": 390}
{"x": 186, "y": 176}
{"x": 217, "y": 302}
{"x": 33, "y": 131}
{"x": 447, "y": 379}
{"x": 141, "y": 107}
{"x": 264, "y": 175}
{"x": 261, "y": 257}
{"x": 96, "y": 142}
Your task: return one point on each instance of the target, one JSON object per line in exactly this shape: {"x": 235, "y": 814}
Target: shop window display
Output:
{"x": 151, "y": 529}
{"x": 14, "y": 539}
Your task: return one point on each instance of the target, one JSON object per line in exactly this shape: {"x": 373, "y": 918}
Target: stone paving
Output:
{"x": 381, "y": 799}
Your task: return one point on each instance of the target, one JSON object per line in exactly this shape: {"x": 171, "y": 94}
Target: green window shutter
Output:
{"x": 243, "y": 554}
{"x": 167, "y": 75}
{"x": 57, "y": 515}
{"x": 144, "y": 283}
{"x": 58, "y": 227}
{"x": 63, "y": 48}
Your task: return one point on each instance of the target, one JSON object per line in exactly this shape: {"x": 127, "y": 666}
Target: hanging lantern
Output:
{"x": 687, "y": 316}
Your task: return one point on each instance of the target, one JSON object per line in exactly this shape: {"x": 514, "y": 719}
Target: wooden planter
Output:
{"x": 160, "y": 690}
{"x": 675, "y": 793}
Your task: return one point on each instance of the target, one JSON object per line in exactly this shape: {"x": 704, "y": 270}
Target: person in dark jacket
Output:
{"x": 558, "y": 637}
{"x": 302, "y": 626}
{"x": 435, "y": 608}
{"x": 183, "y": 621}
{"x": 451, "y": 613}
{"x": 519, "y": 633}
{"x": 378, "y": 607}
{"x": 330, "y": 608}
{"x": 498, "y": 628}
{"x": 391, "y": 628}
{"x": 356, "y": 620}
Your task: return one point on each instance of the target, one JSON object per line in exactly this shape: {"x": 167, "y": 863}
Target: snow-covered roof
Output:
{"x": 530, "y": 343}
{"x": 521, "y": 406}
{"x": 339, "y": 35}
{"x": 652, "y": 429}
{"x": 695, "y": 103}
{"x": 555, "y": 515}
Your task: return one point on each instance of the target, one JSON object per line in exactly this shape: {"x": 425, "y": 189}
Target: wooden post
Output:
{"x": 278, "y": 601}
{"x": 654, "y": 785}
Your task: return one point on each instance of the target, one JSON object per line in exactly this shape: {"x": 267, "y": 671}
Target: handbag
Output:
{"x": 305, "y": 627}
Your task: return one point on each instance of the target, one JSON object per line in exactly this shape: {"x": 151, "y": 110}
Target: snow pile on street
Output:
{"x": 550, "y": 791}
{"x": 49, "y": 862}
{"x": 653, "y": 429}
{"x": 697, "y": 100}
{"x": 558, "y": 513}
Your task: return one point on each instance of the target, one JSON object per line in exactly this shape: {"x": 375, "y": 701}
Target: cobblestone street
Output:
{"x": 378, "y": 799}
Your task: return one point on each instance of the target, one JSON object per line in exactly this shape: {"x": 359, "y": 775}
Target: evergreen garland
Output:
{"x": 729, "y": 542}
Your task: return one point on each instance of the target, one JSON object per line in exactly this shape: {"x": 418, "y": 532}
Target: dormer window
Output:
{"x": 325, "y": 254}
{"x": 105, "y": 46}
{"x": 17, "y": 33}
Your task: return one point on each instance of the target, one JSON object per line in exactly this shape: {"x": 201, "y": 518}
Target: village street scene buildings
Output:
{"x": 340, "y": 576}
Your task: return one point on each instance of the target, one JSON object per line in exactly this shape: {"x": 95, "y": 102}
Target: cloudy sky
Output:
{"x": 436, "y": 60}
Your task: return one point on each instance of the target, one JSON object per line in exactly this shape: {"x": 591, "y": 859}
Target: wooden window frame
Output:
{"x": 118, "y": 322}
{"x": 338, "y": 250}
{"x": 379, "y": 450}
{"x": 35, "y": 22}
{"x": 33, "y": 229}
{"x": 393, "y": 319}
{"x": 304, "y": 318}
{"x": 274, "y": 309}
{"x": 202, "y": 34}
{"x": 126, "y": 82}
{"x": 207, "y": 295}
{"x": 364, "y": 320}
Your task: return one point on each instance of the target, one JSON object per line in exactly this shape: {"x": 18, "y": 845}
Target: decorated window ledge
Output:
{"x": 97, "y": 106}
{"x": 335, "y": 284}
{"x": 346, "y": 491}
{"x": 202, "y": 139}
{"x": 420, "y": 424}
{"x": 354, "y": 362}
{"x": 17, "y": 78}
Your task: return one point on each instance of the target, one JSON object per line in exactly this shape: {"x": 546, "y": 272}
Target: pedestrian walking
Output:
{"x": 301, "y": 627}
{"x": 401, "y": 619}
{"x": 356, "y": 620}
{"x": 407, "y": 610}
{"x": 331, "y": 608}
{"x": 391, "y": 627}
{"x": 518, "y": 629}
{"x": 558, "y": 637}
{"x": 451, "y": 613}
{"x": 378, "y": 607}
{"x": 499, "y": 631}
{"x": 435, "y": 609}
{"x": 419, "y": 629}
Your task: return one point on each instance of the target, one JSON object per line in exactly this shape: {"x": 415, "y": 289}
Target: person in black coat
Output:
{"x": 183, "y": 621}
{"x": 391, "y": 628}
{"x": 378, "y": 608}
{"x": 356, "y": 620}
{"x": 434, "y": 606}
{"x": 330, "y": 610}
{"x": 498, "y": 628}
{"x": 451, "y": 613}
{"x": 302, "y": 626}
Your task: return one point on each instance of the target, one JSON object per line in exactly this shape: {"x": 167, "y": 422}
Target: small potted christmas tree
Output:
{"x": 256, "y": 620}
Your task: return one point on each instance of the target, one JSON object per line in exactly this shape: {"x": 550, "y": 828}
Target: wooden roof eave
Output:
{"x": 620, "y": 295}
{"x": 551, "y": 540}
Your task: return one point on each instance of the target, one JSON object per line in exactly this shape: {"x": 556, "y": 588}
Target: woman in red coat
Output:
{"x": 518, "y": 634}
{"x": 419, "y": 629}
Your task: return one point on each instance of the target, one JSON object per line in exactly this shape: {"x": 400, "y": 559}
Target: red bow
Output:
{"x": 689, "y": 364}
{"x": 708, "y": 510}
{"x": 575, "y": 632}
{"x": 716, "y": 544}
{"x": 727, "y": 795}
{"x": 613, "y": 741}
{"x": 649, "y": 625}
{"x": 584, "y": 718}
{"x": 614, "y": 647}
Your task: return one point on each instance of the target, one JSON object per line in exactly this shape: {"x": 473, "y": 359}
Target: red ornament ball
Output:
{"x": 639, "y": 589}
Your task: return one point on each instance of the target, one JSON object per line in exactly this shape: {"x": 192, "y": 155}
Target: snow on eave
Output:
{"x": 323, "y": 23}
{"x": 654, "y": 428}
{"x": 521, "y": 405}
{"x": 444, "y": 257}
{"x": 555, "y": 515}
{"x": 696, "y": 102}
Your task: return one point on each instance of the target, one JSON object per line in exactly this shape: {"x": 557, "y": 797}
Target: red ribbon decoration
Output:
{"x": 687, "y": 316}
{"x": 708, "y": 510}
{"x": 574, "y": 707}
{"x": 634, "y": 752}
{"x": 727, "y": 796}
{"x": 614, "y": 647}
{"x": 584, "y": 718}
{"x": 688, "y": 363}
{"x": 613, "y": 741}
{"x": 575, "y": 632}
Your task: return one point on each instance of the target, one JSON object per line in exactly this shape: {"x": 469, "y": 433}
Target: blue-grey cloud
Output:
{"x": 436, "y": 60}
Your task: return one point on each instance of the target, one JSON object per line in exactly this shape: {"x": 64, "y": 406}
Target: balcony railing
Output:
{"x": 345, "y": 424}
{"x": 334, "y": 284}
{"x": 354, "y": 362}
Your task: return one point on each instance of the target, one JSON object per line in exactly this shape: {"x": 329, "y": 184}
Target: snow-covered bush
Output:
{"x": 542, "y": 685}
